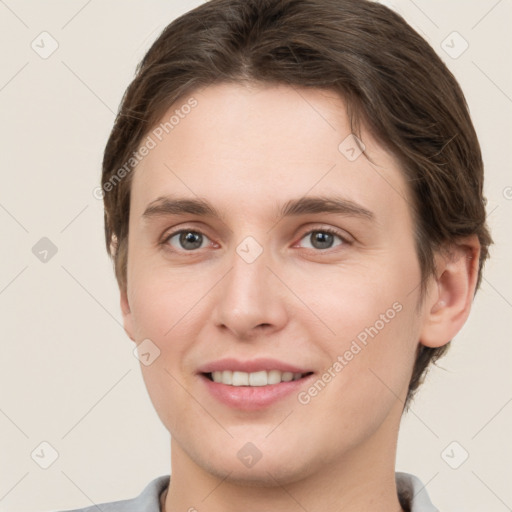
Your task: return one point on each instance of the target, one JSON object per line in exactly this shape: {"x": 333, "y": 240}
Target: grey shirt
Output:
{"x": 410, "y": 489}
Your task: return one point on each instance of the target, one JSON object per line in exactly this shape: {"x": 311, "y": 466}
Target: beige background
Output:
{"x": 67, "y": 373}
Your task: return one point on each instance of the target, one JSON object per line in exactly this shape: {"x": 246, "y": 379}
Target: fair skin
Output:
{"x": 247, "y": 151}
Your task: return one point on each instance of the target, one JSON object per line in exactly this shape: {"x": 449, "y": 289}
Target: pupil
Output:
{"x": 190, "y": 238}
{"x": 323, "y": 239}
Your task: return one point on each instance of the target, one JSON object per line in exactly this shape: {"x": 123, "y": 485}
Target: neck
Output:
{"x": 363, "y": 479}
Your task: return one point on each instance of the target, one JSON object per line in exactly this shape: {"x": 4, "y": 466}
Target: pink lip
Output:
{"x": 254, "y": 365}
{"x": 249, "y": 398}
{"x": 252, "y": 398}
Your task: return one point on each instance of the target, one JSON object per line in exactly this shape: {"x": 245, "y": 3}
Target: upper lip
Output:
{"x": 253, "y": 365}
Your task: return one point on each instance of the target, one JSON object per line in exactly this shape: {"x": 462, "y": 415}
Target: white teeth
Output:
{"x": 274, "y": 377}
{"x": 258, "y": 378}
{"x": 287, "y": 376}
{"x": 261, "y": 378}
{"x": 240, "y": 379}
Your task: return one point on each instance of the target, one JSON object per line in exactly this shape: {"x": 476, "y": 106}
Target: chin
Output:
{"x": 269, "y": 471}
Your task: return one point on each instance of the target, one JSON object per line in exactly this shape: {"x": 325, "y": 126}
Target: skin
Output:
{"x": 295, "y": 302}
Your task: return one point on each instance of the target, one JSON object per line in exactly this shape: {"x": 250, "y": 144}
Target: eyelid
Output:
{"x": 346, "y": 237}
{"x": 170, "y": 234}
{"x": 343, "y": 235}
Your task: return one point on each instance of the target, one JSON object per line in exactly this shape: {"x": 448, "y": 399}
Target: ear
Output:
{"x": 451, "y": 293}
{"x": 127, "y": 314}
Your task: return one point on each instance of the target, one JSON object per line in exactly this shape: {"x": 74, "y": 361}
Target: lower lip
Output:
{"x": 253, "y": 398}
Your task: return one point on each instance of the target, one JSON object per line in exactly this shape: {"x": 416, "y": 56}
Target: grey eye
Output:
{"x": 321, "y": 239}
{"x": 188, "y": 240}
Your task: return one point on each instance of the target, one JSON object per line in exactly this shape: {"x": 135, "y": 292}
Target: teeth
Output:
{"x": 274, "y": 377}
{"x": 287, "y": 376}
{"x": 240, "y": 379}
{"x": 258, "y": 378}
{"x": 262, "y": 378}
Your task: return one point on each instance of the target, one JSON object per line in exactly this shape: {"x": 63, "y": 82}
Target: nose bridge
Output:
{"x": 249, "y": 295}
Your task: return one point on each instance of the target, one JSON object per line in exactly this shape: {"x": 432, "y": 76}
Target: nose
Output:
{"x": 251, "y": 300}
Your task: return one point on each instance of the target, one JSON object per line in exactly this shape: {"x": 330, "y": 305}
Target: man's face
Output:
{"x": 329, "y": 294}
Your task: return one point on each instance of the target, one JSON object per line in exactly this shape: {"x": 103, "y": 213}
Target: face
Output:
{"x": 298, "y": 263}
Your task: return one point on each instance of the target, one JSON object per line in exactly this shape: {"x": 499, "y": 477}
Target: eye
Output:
{"x": 190, "y": 240}
{"x": 323, "y": 238}
{"x": 187, "y": 239}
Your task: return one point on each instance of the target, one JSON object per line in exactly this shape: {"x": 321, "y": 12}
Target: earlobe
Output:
{"x": 127, "y": 314}
{"x": 452, "y": 291}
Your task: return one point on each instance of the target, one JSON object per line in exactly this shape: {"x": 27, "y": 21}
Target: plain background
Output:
{"x": 68, "y": 376}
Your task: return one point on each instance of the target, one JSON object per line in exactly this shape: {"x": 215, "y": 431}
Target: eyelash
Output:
{"x": 167, "y": 237}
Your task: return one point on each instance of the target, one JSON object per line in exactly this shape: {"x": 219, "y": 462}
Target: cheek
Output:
{"x": 368, "y": 370}
{"x": 165, "y": 311}
{"x": 369, "y": 333}
{"x": 380, "y": 356}
{"x": 164, "y": 303}
{"x": 348, "y": 299}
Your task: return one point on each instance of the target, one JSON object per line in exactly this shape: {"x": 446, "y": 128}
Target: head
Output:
{"x": 250, "y": 104}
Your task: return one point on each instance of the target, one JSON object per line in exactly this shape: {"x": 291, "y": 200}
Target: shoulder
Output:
{"x": 147, "y": 501}
{"x": 412, "y": 492}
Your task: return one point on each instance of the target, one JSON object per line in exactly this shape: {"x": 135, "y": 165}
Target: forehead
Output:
{"x": 257, "y": 146}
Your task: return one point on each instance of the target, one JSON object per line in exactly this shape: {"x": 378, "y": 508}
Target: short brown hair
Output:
{"x": 389, "y": 76}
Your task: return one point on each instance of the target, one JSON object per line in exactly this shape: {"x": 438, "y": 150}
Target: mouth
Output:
{"x": 253, "y": 379}
{"x": 254, "y": 384}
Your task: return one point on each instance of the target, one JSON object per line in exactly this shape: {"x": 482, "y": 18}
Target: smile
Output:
{"x": 253, "y": 379}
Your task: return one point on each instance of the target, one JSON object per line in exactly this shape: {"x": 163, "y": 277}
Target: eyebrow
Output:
{"x": 166, "y": 205}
